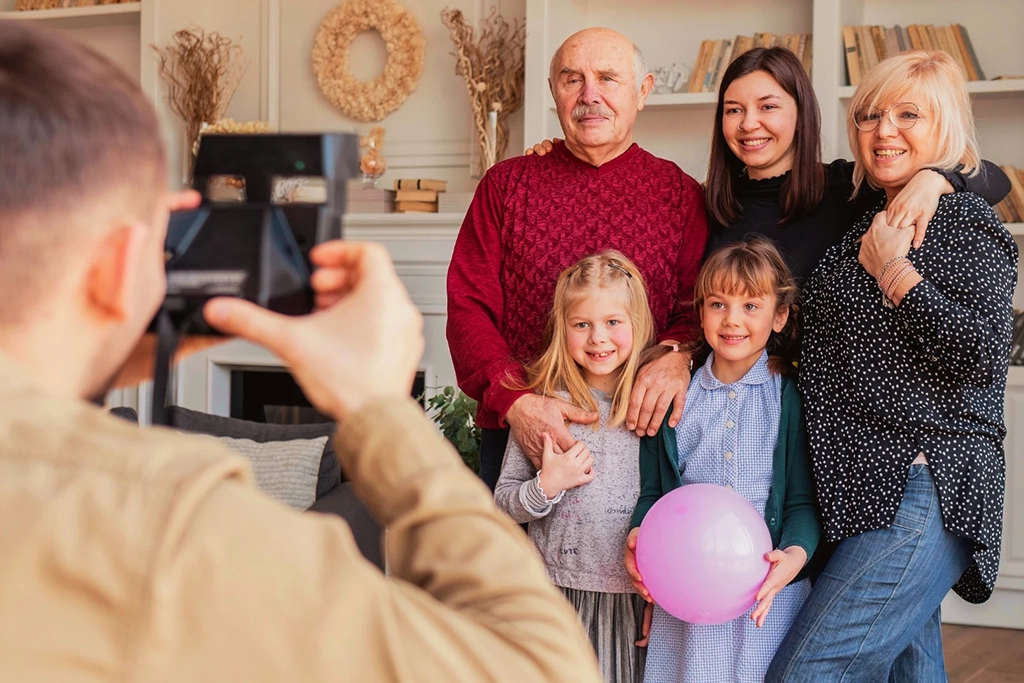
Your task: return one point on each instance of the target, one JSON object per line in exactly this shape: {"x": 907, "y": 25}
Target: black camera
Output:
{"x": 254, "y": 245}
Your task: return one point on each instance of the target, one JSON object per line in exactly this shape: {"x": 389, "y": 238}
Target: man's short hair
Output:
{"x": 75, "y": 130}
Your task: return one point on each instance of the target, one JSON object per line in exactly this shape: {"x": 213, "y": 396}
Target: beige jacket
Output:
{"x": 132, "y": 554}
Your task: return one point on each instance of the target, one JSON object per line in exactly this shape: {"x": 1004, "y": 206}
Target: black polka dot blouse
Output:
{"x": 881, "y": 385}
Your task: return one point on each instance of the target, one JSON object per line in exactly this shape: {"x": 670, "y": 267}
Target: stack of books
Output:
{"x": 715, "y": 56}
{"x": 866, "y": 46}
{"x": 1011, "y": 209}
{"x": 369, "y": 199}
{"x": 418, "y": 195}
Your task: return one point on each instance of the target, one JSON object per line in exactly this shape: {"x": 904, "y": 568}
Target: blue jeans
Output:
{"x": 874, "y": 612}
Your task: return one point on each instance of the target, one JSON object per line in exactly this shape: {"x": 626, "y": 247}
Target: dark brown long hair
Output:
{"x": 805, "y": 187}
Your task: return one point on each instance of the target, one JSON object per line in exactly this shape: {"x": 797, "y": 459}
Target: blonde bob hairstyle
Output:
{"x": 555, "y": 370}
{"x": 936, "y": 78}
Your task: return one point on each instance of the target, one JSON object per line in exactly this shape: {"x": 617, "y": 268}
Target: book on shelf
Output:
{"x": 715, "y": 56}
{"x": 421, "y": 184}
{"x": 416, "y": 195}
{"x": 866, "y": 46}
{"x": 1013, "y": 205}
{"x": 416, "y": 207}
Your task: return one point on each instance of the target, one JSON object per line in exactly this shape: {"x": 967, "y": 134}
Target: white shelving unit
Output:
{"x": 678, "y": 127}
{"x": 80, "y": 17}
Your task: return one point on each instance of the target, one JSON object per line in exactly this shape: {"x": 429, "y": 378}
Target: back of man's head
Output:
{"x": 79, "y": 142}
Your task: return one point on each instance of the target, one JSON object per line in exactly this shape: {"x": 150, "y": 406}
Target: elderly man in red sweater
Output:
{"x": 534, "y": 216}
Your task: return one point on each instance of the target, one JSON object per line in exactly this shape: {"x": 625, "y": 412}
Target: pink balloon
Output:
{"x": 701, "y": 553}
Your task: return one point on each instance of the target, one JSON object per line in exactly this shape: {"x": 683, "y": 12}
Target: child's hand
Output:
{"x": 786, "y": 564}
{"x": 563, "y": 471}
{"x": 629, "y": 561}
{"x": 645, "y": 629}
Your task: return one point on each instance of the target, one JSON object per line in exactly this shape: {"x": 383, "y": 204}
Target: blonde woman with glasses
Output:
{"x": 903, "y": 373}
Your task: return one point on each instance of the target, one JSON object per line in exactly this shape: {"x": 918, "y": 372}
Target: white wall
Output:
{"x": 428, "y": 136}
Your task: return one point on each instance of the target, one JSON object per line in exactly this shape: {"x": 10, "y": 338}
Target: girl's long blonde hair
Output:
{"x": 555, "y": 370}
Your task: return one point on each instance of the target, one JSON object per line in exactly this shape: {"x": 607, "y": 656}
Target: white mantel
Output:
{"x": 420, "y": 246}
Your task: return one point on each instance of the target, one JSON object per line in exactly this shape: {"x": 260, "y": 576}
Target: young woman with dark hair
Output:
{"x": 766, "y": 176}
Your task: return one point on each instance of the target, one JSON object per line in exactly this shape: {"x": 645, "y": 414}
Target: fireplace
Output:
{"x": 272, "y": 395}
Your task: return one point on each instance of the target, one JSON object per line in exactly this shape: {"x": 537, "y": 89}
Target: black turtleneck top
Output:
{"x": 805, "y": 240}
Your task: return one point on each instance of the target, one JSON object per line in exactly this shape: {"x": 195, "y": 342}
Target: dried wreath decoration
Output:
{"x": 493, "y": 66}
{"x": 368, "y": 100}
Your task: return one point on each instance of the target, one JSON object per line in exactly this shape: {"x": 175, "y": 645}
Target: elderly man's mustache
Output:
{"x": 582, "y": 110}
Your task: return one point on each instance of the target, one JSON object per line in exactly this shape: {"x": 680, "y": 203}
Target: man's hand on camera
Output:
{"x": 363, "y": 343}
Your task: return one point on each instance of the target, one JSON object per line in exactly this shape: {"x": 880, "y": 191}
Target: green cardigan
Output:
{"x": 790, "y": 512}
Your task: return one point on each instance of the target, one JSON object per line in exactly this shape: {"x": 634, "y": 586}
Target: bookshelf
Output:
{"x": 678, "y": 127}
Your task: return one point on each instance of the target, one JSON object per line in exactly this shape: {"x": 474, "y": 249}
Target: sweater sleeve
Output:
{"x": 990, "y": 183}
{"x": 242, "y": 588}
{"x": 652, "y": 454}
{"x": 480, "y": 355}
{"x": 517, "y": 492}
{"x": 683, "y": 324}
{"x": 800, "y": 523}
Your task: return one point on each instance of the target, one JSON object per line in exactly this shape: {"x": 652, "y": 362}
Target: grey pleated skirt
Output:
{"x": 614, "y": 622}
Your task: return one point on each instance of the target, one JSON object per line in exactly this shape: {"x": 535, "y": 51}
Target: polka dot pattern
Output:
{"x": 882, "y": 385}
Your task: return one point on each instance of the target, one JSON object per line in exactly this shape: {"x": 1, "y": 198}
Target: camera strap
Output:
{"x": 168, "y": 337}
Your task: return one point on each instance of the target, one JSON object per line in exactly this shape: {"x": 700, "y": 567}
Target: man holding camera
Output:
{"x": 144, "y": 554}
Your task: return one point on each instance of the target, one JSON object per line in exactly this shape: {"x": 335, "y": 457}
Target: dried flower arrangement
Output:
{"x": 202, "y": 71}
{"x": 493, "y": 67}
{"x": 405, "y": 44}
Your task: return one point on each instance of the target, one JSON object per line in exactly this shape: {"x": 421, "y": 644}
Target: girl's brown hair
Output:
{"x": 555, "y": 370}
{"x": 806, "y": 185}
{"x": 753, "y": 267}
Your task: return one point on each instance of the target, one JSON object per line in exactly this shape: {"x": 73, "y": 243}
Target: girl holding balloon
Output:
{"x": 742, "y": 429}
{"x": 578, "y": 504}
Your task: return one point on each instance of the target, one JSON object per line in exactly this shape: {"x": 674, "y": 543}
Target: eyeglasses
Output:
{"x": 903, "y": 115}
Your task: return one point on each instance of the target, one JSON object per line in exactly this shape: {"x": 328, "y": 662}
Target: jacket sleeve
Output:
{"x": 480, "y": 355}
{"x": 801, "y": 525}
{"x": 245, "y": 589}
{"x": 683, "y": 324}
{"x": 963, "y": 321}
{"x": 652, "y": 454}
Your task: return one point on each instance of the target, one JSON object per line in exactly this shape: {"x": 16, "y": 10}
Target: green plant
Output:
{"x": 453, "y": 412}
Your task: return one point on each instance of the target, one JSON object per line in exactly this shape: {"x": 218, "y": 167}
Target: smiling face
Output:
{"x": 593, "y": 82}
{"x": 737, "y": 327}
{"x": 891, "y": 156}
{"x": 759, "y": 123}
{"x": 599, "y": 333}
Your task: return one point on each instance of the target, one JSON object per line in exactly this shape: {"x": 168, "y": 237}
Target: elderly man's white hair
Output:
{"x": 640, "y": 69}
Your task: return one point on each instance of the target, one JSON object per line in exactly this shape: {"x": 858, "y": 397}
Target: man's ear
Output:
{"x": 113, "y": 273}
{"x": 646, "y": 86}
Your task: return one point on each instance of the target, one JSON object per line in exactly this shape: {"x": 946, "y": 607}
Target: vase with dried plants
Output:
{"x": 202, "y": 71}
{"x": 492, "y": 64}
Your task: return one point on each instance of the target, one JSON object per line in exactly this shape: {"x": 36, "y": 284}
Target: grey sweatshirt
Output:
{"x": 581, "y": 533}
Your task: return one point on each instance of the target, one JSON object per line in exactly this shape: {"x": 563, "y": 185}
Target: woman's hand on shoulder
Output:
{"x": 917, "y": 202}
{"x": 786, "y": 564}
{"x": 543, "y": 147}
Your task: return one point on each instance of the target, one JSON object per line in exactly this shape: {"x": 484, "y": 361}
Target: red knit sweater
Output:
{"x": 532, "y": 217}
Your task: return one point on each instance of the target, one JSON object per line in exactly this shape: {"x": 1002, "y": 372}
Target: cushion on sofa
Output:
{"x": 329, "y": 472}
{"x": 284, "y": 470}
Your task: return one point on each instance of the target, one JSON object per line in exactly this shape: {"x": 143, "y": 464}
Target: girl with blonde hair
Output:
{"x": 578, "y": 504}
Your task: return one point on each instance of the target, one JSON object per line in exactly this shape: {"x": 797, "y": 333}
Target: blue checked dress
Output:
{"x": 727, "y": 437}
